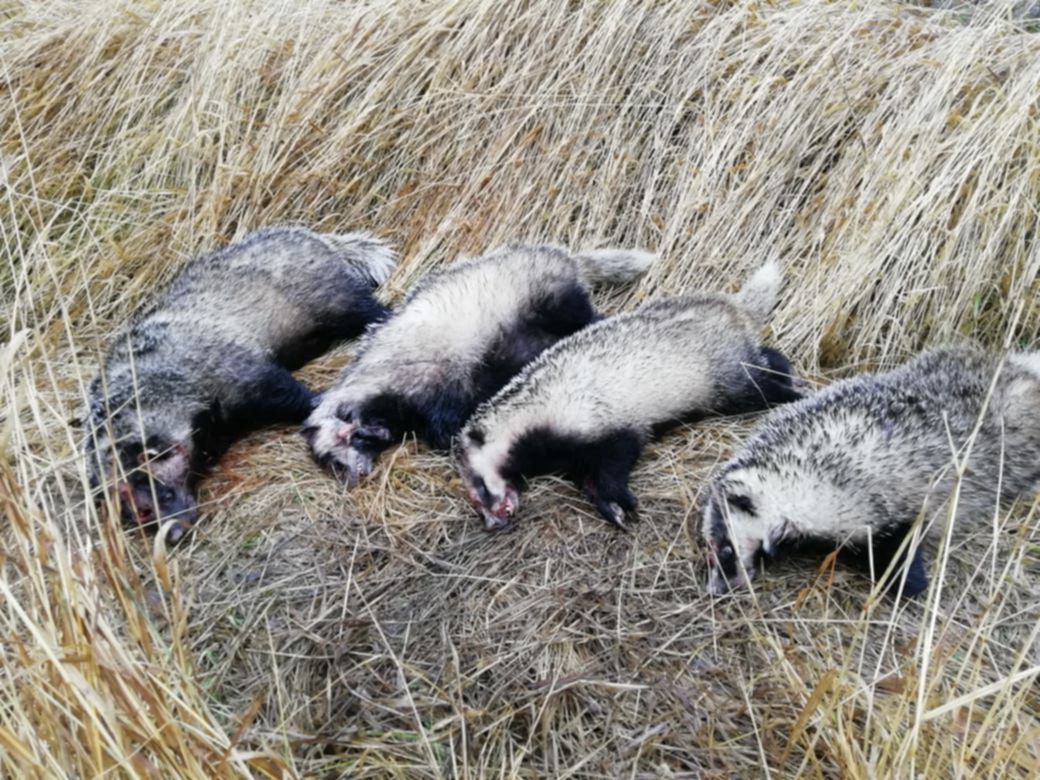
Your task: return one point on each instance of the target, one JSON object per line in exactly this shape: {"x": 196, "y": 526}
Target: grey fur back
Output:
{"x": 632, "y": 370}
{"x": 450, "y": 319}
{"x": 888, "y": 440}
{"x": 223, "y": 315}
{"x": 856, "y": 464}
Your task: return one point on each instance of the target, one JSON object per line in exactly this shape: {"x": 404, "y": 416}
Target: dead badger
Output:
{"x": 857, "y": 463}
{"x": 460, "y": 335}
{"x": 587, "y": 406}
{"x": 211, "y": 358}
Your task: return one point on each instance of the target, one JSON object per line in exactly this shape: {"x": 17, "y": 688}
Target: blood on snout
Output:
{"x": 474, "y": 499}
{"x": 135, "y": 505}
{"x": 712, "y": 555}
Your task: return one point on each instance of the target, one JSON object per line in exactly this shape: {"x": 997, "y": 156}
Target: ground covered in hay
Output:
{"x": 887, "y": 155}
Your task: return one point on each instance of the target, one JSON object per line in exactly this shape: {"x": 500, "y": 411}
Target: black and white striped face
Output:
{"x": 150, "y": 481}
{"x": 734, "y": 544}
{"x": 741, "y": 526}
{"x": 348, "y": 442}
{"x": 494, "y": 496}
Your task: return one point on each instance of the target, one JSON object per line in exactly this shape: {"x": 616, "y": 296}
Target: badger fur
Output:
{"x": 588, "y": 405}
{"x": 460, "y": 336}
{"x": 211, "y": 358}
{"x": 857, "y": 463}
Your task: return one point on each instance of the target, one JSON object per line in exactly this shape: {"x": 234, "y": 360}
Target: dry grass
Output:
{"x": 889, "y": 157}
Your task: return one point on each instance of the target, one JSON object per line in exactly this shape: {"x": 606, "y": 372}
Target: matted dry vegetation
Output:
{"x": 888, "y": 157}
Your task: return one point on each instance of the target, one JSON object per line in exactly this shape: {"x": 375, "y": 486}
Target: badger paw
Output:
{"x": 176, "y": 531}
{"x": 916, "y": 581}
{"x": 617, "y": 505}
{"x": 615, "y": 515}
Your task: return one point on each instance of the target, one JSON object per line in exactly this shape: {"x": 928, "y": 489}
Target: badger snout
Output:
{"x": 494, "y": 523}
{"x": 146, "y": 506}
{"x": 329, "y": 440}
{"x": 356, "y": 465}
{"x": 729, "y": 570}
{"x": 500, "y": 514}
{"x": 718, "y": 585}
{"x": 347, "y": 464}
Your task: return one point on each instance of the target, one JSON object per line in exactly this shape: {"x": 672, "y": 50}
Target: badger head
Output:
{"x": 347, "y": 440}
{"x": 149, "y": 479}
{"x": 482, "y": 467}
{"x": 742, "y": 524}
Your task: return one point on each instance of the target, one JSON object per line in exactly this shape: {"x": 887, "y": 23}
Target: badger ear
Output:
{"x": 130, "y": 453}
{"x": 777, "y": 536}
{"x": 476, "y": 436}
{"x": 156, "y": 453}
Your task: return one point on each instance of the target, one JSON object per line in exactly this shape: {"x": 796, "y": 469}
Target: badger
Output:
{"x": 587, "y": 406}
{"x": 211, "y": 357}
{"x": 858, "y": 463}
{"x": 459, "y": 336}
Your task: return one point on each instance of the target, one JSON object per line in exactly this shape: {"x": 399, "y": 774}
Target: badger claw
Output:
{"x": 176, "y": 531}
{"x": 617, "y": 516}
{"x": 620, "y": 512}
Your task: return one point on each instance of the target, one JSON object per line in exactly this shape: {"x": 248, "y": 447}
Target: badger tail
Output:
{"x": 761, "y": 292}
{"x": 614, "y": 266}
{"x": 1018, "y": 391}
{"x": 1029, "y": 362}
{"x": 372, "y": 258}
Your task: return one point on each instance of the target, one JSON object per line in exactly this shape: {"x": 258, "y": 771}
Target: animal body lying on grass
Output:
{"x": 211, "y": 359}
{"x": 460, "y": 336}
{"x": 588, "y": 405}
{"x": 857, "y": 463}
